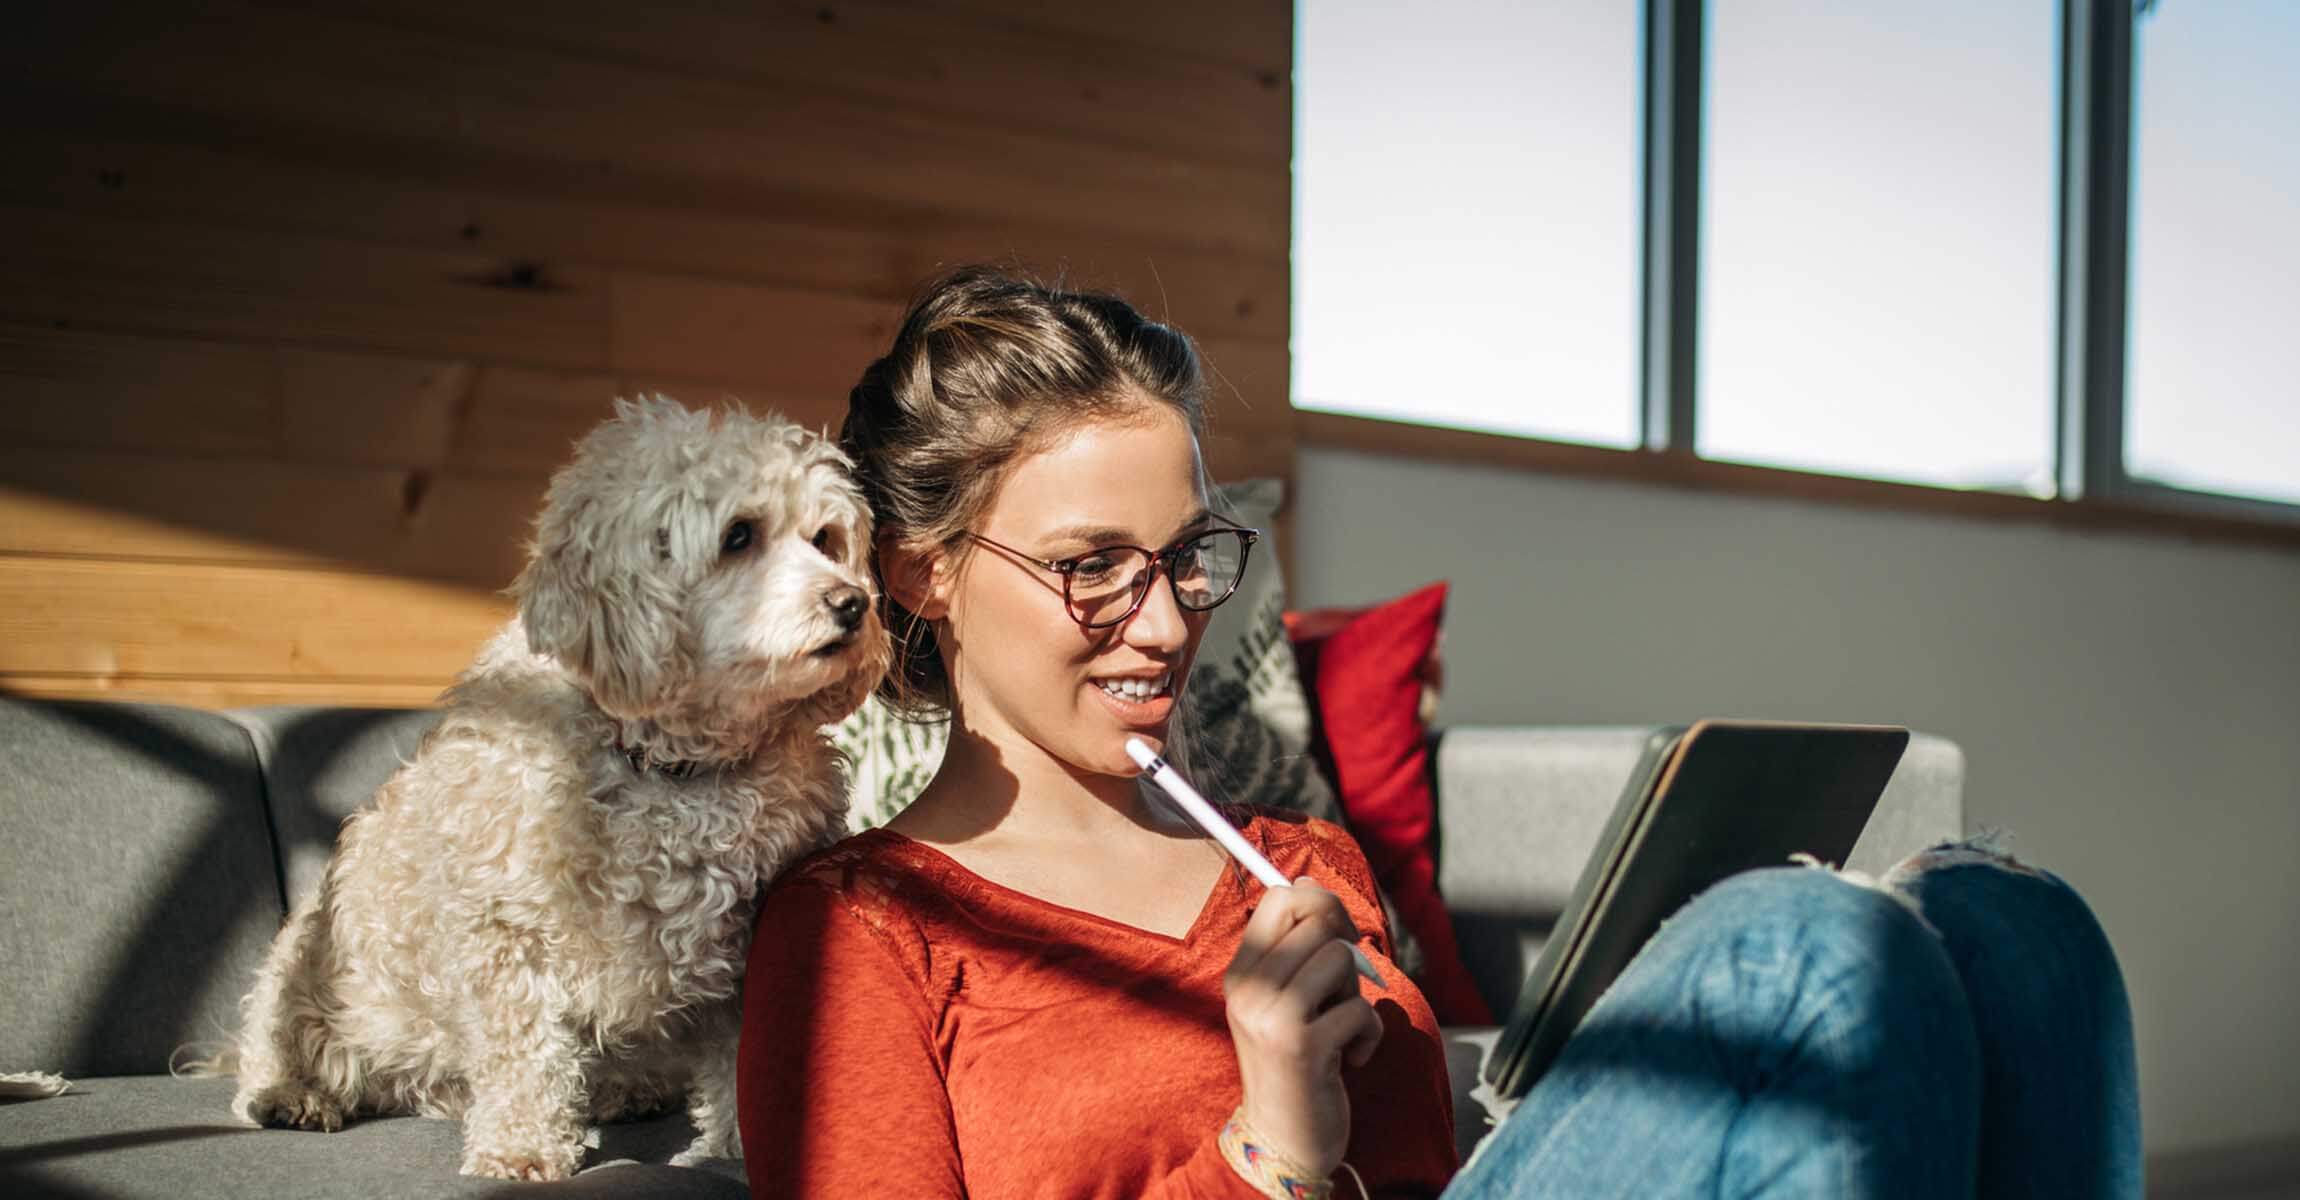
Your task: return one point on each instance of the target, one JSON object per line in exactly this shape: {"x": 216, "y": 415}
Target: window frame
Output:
{"x": 2094, "y": 488}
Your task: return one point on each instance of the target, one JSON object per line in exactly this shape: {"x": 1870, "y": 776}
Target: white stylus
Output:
{"x": 1171, "y": 782}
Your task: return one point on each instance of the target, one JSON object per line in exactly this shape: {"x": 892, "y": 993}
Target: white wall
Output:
{"x": 2129, "y": 705}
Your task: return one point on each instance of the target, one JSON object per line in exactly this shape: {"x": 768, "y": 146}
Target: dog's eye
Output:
{"x": 826, "y": 540}
{"x": 737, "y": 538}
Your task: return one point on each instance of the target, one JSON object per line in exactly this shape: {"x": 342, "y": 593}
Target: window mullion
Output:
{"x": 2095, "y": 236}
{"x": 1671, "y": 240}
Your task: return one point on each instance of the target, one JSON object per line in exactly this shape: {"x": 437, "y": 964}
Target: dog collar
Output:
{"x": 668, "y": 770}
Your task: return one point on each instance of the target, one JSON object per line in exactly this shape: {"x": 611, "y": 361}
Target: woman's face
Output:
{"x": 1026, "y": 675}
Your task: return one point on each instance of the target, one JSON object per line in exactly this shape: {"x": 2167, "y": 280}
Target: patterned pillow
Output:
{"x": 889, "y": 761}
{"x": 1246, "y": 710}
{"x": 1245, "y": 703}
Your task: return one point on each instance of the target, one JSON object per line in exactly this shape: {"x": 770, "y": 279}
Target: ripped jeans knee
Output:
{"x": 1983, "y": 849}
{"x": 1910, "y": 880}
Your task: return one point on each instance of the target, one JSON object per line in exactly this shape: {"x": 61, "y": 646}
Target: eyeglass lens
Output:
{"x": 1106, "y": 585}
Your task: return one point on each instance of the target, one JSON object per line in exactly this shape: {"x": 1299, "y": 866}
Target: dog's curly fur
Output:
{"x": 542, "y": 919}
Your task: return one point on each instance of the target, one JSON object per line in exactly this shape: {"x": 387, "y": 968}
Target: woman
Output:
{"x": 1034, "y": 983}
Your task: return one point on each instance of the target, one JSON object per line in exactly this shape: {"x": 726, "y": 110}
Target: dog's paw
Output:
{"x": 535, "y": 1165}
{"x": 290, "y": 1106}
{"x": 693, "y": 1157}
{"x": 705, "y": 1148}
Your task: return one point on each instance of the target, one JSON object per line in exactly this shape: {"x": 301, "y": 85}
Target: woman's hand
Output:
{"x": 1295, "y": 1016}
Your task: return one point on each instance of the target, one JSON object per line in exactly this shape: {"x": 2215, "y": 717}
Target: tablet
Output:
{"x": 1703, "y": 803}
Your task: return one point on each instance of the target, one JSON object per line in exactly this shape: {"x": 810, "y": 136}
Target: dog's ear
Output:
{"x": 604, "y": 612}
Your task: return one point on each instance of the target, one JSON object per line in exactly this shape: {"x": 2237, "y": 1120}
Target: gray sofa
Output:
{"x": 151, "y": 851}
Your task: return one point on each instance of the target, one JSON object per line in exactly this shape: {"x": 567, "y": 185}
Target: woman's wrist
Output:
{"x": 1268, "y": 1169}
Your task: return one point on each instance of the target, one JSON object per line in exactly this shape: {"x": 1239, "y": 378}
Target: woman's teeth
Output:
{"x": 1136, "y": 690}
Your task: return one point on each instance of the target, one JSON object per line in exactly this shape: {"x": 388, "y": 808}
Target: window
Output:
{"x": 2034, "y": 248}
{"x": 1877, "y": 291}
{"x": 1466, "y": 214}
{"x": 2213, "y": 374}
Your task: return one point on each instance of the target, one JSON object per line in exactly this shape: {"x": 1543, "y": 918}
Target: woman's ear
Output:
{"x": 914, "y": 578}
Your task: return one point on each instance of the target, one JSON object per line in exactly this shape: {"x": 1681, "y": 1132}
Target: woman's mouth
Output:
{"x": 1137, "y": 688}
{"x": 1138, "y": 700}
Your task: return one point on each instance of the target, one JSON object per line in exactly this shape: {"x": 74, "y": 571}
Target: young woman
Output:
{"x": 1035, "y": 983}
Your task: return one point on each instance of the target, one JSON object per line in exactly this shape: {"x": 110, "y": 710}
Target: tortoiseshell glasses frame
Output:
{"x": 1202, "y": 570}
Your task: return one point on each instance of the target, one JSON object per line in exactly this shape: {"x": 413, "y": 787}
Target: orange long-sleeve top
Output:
{"x": 913, "y": 1029}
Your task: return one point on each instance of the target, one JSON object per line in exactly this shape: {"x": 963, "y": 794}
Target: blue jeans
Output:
{"x": 1793, "y": 1033}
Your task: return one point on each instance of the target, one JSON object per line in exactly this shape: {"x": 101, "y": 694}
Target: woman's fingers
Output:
{"x": 1271, "y": 919}
{"x": 1354, "y": 1024}
{"x": 1306, "y": 976}
{"x": 1312, "y": 895}
{"x": 1323, "y": 976}
{"x": 1286, "y": 959}
{"x": 1279, "y": 913}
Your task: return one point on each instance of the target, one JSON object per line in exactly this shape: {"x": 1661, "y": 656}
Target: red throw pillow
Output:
{"x": 1366, "y": 670}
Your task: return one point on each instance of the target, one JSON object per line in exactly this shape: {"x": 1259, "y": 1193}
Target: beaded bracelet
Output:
{"x": 1272, "y": 1173}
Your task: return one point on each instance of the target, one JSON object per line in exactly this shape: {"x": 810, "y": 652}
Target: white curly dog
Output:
{"x": 541, "y": 921}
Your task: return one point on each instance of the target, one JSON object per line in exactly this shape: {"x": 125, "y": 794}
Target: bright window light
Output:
{"x": 1465, "y": 214}
{"x": 1877, "y": 288}
{"x": 2213, "y": 374}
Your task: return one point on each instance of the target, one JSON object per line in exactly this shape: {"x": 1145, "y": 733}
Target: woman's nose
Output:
{"x": 1158, "y": 623}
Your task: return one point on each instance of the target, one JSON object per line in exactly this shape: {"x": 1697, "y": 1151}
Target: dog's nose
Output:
{"x": 848, "y": 604}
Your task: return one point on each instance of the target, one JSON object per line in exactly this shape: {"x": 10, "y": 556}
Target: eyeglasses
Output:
{"x": 1106, "y": 585}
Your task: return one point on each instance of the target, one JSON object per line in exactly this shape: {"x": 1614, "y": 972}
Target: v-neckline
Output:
{"x": 1206, "y": 907}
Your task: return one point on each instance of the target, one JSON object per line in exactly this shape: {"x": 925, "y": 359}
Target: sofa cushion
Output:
{"x": 174, "y": 1139}
{"x": 140, "y": 884}
{"x": 1477, "y": 1111}
{"x": 1923, "y": 805}
{"x": 321, "y": 765}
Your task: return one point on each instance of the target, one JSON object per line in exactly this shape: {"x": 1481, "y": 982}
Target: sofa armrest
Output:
{"x": 1519, "y": 809}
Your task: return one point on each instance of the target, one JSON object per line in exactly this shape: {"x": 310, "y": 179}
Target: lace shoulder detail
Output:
{"x": 854, "y": 867}
{"x": 1336, "y": 850}
{"x": 1341, "y": 853}
{"x": 875, "y": 883}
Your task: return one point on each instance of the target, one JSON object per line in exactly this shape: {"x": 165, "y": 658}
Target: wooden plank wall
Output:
{"x": 301, "y": 302}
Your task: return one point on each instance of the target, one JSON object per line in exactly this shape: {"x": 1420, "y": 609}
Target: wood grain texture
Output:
{"x": 696, "y": 340}
{"x": 132, "y": 618}
{"x": 75, "y": 273}
{"x": 82, "y": 163}
{"x": 302, "y": 302}
{"x": 80, "y": 389}
{"x": 801, "y": 342}
{"x": 1259, "y": 35}
{"x": 1216, "y": 94}
{"x": 448, "y": 528}
{"x": 69, "y": 270}
{"x": 218, "y": 691}
{"x": 75, "y": 388}
{"x": 294, "y": 74}
{"x": 66, "y": 387}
